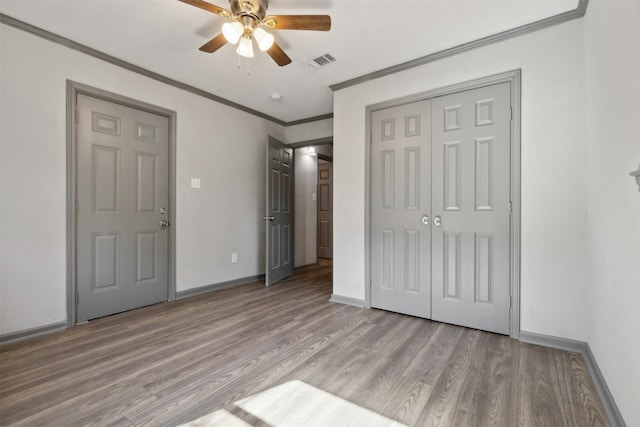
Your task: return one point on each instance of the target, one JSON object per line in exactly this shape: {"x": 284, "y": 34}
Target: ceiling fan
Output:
{"x": 248, "y": 18}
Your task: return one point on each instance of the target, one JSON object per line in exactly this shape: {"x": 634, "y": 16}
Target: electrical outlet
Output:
{"x": 234, "y": 258}
{"x": 195, "y": 183}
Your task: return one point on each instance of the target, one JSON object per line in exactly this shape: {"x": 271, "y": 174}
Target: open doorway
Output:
{"x": 324, "y": 239}
{"x": 312, "y": 227}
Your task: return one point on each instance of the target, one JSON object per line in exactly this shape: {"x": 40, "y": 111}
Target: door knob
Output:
{"x": 425, "y": 220}
{"x": 437, "y": 220}
{"x": 164, "y": 223}
{"x": 270, "y": 218}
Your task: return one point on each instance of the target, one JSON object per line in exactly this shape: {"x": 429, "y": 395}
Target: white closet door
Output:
{"x": 471, "y": 208}
{"x": 400, "y": 199}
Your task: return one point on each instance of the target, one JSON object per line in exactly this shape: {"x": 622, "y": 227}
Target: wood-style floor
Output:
{"x": 285, "y": 355}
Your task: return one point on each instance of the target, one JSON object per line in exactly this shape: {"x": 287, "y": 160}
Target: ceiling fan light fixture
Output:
{"x": 263, "y": 38}
{"x": 233, "y": 31}
{"x": 245, "y": 47}
{"x": 246, "y": 17}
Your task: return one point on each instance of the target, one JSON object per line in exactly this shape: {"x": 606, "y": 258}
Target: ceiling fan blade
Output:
{"x": 209, "y": 7}
{"x": 298, "y": 22}
{"x": 278, "y": 55}
{"x": 214, "y": 44}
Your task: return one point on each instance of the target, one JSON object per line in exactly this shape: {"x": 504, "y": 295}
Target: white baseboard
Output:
{"x": 347, "y": 300}
{"x": 33, "y": 332}
{"x": 222, "y": 285}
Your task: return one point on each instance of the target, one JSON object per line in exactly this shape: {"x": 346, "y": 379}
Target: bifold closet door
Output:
{"x": 471, "y": 208}
{"x": 400, "y": 209}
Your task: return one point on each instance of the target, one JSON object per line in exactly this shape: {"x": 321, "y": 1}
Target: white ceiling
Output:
{"x": 163, "y": 36}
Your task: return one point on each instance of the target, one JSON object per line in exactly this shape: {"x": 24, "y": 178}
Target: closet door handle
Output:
{"x": 437, "y": 220}
{"x": 425, "y": 220}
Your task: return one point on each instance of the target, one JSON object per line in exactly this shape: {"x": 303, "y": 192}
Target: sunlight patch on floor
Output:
{"x": 296, "y": 403}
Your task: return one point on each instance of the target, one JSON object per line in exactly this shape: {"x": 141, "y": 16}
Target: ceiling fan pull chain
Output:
{"x": 242, "y": 61}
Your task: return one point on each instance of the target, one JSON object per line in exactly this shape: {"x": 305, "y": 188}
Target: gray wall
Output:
{"x": 223, "y": 147}
{"x": 612, "y": 53}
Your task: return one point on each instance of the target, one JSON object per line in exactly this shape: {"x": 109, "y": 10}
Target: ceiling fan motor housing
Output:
{"x": 248, "y": 18}
{"x": 253, "y": 8}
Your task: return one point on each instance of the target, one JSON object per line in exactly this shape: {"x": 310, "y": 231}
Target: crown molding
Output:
{"x": 310, "y": 119}
{"x": 577, "y": 13}
{"x": 561, "y": 18}
{"x": 55, "y": 38}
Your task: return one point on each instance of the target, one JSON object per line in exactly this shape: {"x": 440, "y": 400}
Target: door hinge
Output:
{"x": 511, "y": 113}
{"x": 77, "y": 115}
{"x": 510, "y": 208}
{"x": 77, "y": 297}
{"x": 77, "y": 207}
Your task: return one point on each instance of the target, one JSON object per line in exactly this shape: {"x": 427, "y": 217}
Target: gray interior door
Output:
{"x": 122, "y": 197}
{"x": 400, "y": 209}
{"x": 325, "y": 209}
{"x": 471, "y": 208}
{"x": 279, "y": 218}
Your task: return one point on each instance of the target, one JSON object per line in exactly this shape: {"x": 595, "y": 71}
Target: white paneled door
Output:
{"x": 401, "y": 203}
{"x": 443, "y": 219}
{"x": 279, "y": 218}
{"x": 122, "y": 208}
{"x": 470, "y": 204}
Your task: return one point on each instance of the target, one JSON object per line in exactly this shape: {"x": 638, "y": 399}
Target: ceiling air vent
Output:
{"x": 322, "y": 61}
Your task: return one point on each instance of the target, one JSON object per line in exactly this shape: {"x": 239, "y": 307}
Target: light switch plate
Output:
{"x": 195, "y": 183}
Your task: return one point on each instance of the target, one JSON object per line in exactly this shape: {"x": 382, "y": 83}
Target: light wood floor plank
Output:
{"x": 540, "y": 397}
{"x": 197, "y": 360}
{"x": 446, "y": 395}
{"x": 407, "y": 399}
{"x": 499, "y": 384}
{"x": 578, "y": 389}
{"x": 378, "y": 384}
{"x": 428, "y": 364}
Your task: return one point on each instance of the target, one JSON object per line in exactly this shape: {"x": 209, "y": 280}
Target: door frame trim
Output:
{"x": 73, "y": 89}
{"x": 514, "y": 78}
